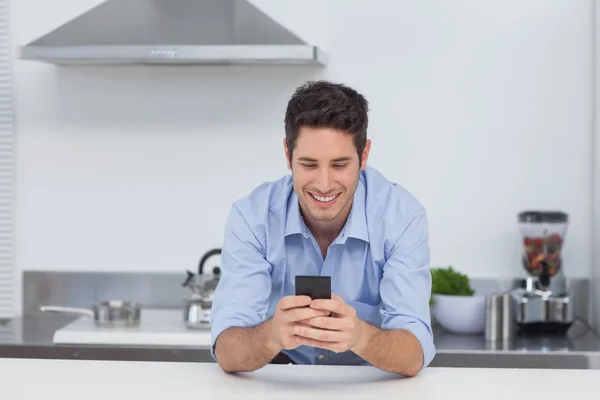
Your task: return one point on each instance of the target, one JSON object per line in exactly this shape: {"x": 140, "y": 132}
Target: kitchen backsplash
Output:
{"x": 164, "y": 290}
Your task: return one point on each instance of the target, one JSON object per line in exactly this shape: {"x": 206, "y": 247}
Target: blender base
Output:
{"x": 541, "y": 313}
{"x": 543, "y": 328}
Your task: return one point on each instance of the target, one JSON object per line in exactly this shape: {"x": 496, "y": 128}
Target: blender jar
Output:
{"x": 543, "y": 234}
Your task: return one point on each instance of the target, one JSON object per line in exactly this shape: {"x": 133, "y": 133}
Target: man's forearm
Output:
{"x": 245, "y": 349}
{"x": 395, "y": 350}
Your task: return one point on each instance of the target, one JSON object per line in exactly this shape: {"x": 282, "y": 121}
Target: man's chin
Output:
{"x": 325, "y": 218}
{"x": 321, "y": 216}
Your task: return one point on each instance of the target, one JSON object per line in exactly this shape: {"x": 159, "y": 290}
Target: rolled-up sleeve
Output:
{"x": 241, "y": 297}
{"x": 406, "y": 285}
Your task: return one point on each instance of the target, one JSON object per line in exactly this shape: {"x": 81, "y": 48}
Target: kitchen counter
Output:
{"x": 580, "y": 350}
{"x": 582, "y": 343}
{"x": 74, "y": 379}
{"x": 32, "y": 338}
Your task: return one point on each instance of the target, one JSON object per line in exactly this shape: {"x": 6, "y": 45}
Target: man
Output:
{"x": 333, "y": 216}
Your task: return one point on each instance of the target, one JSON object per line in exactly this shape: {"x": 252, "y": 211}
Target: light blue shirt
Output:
{"x": 379, "y": 263}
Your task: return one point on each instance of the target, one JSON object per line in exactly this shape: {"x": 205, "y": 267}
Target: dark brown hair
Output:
{"x": 323, "y": 104}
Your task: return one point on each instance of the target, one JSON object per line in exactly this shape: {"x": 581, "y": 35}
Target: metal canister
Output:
{"x": 508, "y": 317}
{"x": 493, "y": 317}
{"x": 499, "y": 317}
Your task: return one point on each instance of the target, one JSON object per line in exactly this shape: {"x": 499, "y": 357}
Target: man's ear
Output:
{"x": 287, "y": 155}
{"x": 365, "y": 155}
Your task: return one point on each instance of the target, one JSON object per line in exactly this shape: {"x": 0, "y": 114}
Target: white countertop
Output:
{"x": 158, "y": 327}
{"x": 78, "y": 379}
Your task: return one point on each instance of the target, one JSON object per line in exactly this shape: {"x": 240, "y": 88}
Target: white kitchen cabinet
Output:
{"x": 7, "y": 166}
{"x": 595, "y": 274}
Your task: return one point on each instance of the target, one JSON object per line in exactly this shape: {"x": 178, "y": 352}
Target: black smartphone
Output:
{"x": 314, "y": 286}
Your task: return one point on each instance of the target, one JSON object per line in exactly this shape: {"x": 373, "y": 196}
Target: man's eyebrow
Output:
{"x": 339, "y": 159}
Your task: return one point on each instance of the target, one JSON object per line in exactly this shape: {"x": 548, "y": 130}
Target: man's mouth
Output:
{"x": 324, "y": 199}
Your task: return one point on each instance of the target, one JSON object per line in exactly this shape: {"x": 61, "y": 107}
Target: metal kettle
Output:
{"x": 198, "y": 305}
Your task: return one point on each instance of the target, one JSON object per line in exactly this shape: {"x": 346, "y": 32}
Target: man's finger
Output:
{"x": 335, "y": 324}
{"x": 332, "y": 305}
{"x": 336, "y": 297}
{"x": 288, "y": 302}
{"x": 321, "y": 335}
{"x": 298, "y": 314}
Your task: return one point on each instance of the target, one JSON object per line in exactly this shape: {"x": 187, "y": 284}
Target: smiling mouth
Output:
{"x": 324, "y": 199}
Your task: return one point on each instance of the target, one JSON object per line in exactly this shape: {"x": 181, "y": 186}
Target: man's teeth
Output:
{"x": 324, "y": 199}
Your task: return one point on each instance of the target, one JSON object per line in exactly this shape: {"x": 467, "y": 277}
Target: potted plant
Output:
{"x": 454, "y": 303}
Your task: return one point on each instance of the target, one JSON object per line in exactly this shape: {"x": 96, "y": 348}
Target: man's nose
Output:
{"x": 324, "y": 183}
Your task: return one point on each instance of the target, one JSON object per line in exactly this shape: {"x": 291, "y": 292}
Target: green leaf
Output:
{"x": 448, "y": 281}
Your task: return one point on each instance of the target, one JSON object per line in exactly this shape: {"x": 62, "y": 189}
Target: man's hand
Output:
{"x": 339, "y": 332}
{"x": 290, "y": 310}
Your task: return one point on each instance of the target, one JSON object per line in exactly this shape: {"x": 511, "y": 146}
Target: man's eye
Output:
{"x": 309, "y": 165}
{"x": 339, "y": 166}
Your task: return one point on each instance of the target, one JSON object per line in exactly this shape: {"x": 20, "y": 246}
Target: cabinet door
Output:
{"x": 7, "y": 167}
{"x": 595, "y": 275}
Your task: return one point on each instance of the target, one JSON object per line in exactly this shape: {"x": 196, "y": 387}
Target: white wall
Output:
{"x": 480, "y": 110}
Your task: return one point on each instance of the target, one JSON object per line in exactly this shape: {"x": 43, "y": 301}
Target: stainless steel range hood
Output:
{"x": 173, "y": 32}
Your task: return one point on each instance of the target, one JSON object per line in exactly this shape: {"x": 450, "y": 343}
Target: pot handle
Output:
{"x": 70, "y": 310}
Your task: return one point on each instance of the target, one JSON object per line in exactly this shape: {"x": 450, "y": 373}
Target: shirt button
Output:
{"x": 305, "y": 236}
{"x": 321, "y": 357}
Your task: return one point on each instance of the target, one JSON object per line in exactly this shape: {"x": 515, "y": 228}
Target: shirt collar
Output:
{"x": 293, "y": 221}
{"x": 355, "y": 227}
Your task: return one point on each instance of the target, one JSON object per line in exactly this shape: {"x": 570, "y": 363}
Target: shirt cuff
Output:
{"x": 421, "y": 332}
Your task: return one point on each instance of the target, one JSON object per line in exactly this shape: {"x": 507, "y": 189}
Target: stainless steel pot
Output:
{"x": 106, "y": 313}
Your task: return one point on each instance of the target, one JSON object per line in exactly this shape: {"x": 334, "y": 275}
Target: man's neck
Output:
{"x": 325, "y": 232}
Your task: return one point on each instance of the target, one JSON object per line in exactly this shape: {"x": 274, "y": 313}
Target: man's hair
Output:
{"x": 323, "y": 104}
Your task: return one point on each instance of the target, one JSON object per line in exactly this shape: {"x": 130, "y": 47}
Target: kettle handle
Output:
{"x": 205, "y": 257}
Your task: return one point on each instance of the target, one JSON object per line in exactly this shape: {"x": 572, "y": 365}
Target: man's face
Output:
{"x": 325, "y": 171}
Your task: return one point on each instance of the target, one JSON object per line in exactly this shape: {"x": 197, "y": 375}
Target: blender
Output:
{"x": 543, "y": 305}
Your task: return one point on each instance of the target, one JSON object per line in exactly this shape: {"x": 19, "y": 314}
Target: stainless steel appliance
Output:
{"x": 542, "y": 302}
{"x": 173, "y": 32}
{"x": 198, "y": 305}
